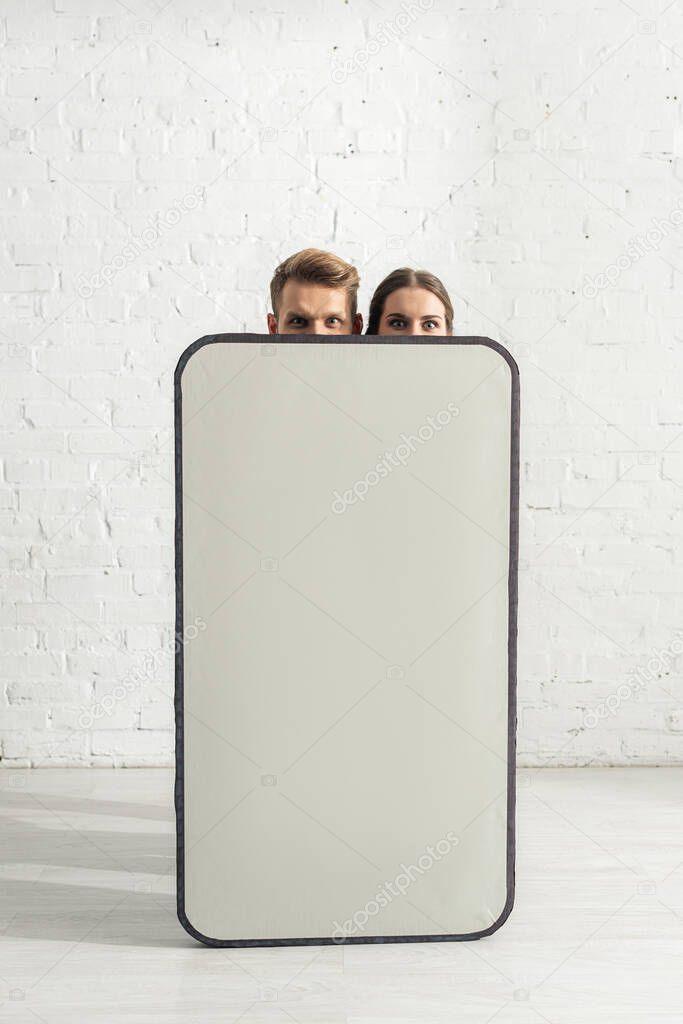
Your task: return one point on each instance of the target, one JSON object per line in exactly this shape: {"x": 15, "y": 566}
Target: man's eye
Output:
{"x": 297, "y": 320}
{"x": 334, "y": 319}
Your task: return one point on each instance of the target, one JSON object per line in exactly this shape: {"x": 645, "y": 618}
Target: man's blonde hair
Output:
{"x": 316, "y": 267}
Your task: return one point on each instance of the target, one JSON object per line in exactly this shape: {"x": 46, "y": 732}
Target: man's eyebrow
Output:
{"x": 295, "y": 312}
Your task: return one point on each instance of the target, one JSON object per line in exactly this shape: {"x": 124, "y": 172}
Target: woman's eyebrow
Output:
{"x": 425, "y": 316}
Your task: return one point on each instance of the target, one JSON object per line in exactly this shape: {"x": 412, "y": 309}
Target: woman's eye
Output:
{"x": 397, "y": 323}
{"x": 432, "y": 324}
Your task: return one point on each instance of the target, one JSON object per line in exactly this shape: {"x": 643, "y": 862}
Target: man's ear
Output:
{"x": 358, "y": 324}
{"x": 272, "y": 323}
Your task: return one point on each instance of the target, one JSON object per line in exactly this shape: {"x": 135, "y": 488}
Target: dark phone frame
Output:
{"x": 351, "y": 339}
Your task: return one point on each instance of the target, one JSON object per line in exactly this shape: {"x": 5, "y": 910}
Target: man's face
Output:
{"x": 313, "y": 309}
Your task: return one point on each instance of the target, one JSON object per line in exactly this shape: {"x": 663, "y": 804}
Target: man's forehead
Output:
{"x": 309, "y": 298}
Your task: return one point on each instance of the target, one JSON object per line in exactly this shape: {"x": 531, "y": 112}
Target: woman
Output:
{"x": 410, "y": 302}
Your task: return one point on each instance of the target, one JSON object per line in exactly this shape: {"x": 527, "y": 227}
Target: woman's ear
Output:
{"x": 358, "y": 324}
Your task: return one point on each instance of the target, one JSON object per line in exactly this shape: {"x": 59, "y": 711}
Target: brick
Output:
{"x": 21, "y": 168}
{"x": 92, "y": 585}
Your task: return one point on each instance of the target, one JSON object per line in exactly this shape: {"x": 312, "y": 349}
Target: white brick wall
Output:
{"x": 515, "y": 147}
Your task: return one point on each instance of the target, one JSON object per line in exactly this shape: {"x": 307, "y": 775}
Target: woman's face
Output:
{"x": 413, "y": 311}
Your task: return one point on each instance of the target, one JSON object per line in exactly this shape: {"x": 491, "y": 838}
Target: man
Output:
{"x": 314, "y": 292}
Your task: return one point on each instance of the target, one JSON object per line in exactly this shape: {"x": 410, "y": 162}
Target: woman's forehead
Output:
{"x": 413, "y": 298}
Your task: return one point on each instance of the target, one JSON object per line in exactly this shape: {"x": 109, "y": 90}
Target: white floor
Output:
{"x": 90, "y": 932}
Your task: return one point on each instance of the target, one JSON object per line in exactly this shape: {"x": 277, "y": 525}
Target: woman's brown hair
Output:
{"x": 406, "y": 277}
